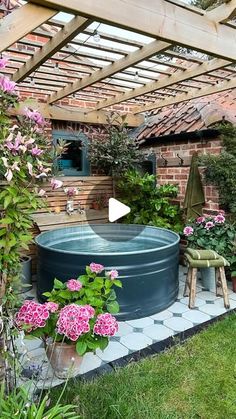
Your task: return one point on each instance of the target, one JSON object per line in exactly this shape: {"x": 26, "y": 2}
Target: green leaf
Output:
{"x": 103, "y": 342}
{"x": 83, "y": 279}
{"x": 58, "y": 284}
{"x": 89, "y": 292}
{"x": 81, "y": 347}
{"x": 118, "y": 283}
{"x": 7, "y": 201}
{"x": 113, "y": 307}
{"x": 66, "y": 294}
{"x": 47, "y": 294}
{"x": 111, "y": 296}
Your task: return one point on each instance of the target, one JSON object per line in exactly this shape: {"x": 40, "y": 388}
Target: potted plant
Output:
{"x": 211, "y": 232}
{"x": 70, "y": 192}
{"x": 100, "y": 201}
{"x": 77, "y": 318}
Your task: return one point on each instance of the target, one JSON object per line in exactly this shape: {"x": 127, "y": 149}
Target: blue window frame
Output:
{"x": 74, "y": 162}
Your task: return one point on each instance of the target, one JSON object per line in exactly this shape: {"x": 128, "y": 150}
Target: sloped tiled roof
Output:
{"x": 190, "y": 116}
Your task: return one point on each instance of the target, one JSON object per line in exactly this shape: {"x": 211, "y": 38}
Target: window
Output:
{"x": 74, "y": 162}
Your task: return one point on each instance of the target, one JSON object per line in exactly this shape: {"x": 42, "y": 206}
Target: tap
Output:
{"x": 80, "y": 210}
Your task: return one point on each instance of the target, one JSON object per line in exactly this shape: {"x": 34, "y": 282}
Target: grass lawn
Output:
{"x": 189, "y": 381}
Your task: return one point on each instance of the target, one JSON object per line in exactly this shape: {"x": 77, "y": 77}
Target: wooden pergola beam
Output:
{"x": 177, "y": 77}
{"x": 21, "y": 22}
{"x": 223, "y": 13}
{"x": 68, "y": 32}
{"x": 220, "y": 87}
{"x": 159, "y": 19}
{"x": 119, "y": 65}
{"x": 54, "y": 112}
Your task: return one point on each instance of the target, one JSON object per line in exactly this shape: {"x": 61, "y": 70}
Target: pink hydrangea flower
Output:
{"x": 55, "y": 184}
{"x": 73, "y": 321}
{"x": 219, "y": 219}
{"x": 106, "y": 325}
{"x": 113, "y": 274}
{"x": 52, "y": 307}
{"x": 74, "y": 285}
{"x": 32, "y": 314}
{"x": 3, "y": 62}
{"x": 7, "y": 86}
{"x": 200, "y": 220}
{"x": 209, "y": 225}
{"x": 96, "y": 267}
{"x": 188, "y": 231}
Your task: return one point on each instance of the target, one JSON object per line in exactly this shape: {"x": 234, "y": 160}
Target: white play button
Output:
{"x": 117, "y": 210}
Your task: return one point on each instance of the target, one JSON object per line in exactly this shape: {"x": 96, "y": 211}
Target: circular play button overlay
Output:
{"x": 115, "y": 212}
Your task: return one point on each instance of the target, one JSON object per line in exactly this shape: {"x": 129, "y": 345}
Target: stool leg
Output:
{"x": 193, "y": 285}
{"x": 219, "y": 291}
{"x": 224, "y": 287}
{"x": 187, "y": 282}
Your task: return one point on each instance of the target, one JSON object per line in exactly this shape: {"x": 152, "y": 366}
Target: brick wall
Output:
{"x": 179, "y": 174}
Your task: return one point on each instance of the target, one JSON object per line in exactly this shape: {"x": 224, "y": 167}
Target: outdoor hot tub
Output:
{"x": 146, "y": 257}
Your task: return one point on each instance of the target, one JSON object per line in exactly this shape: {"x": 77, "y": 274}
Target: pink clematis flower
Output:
{"x": 55, "y": 184}
{"x": 188, "y": 231}
{"x": 34, "y": 116}
{"x": 10, "y": 168}
{"x": 3, "y": 62}
{"x": 41, "y": 192}
{"x": 7, "y": 86}
{"x": 35, "y": 151}
{"x": 30, "y": 168}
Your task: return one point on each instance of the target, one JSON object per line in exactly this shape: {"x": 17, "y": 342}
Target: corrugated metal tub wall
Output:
{"x": 146, "y": 258}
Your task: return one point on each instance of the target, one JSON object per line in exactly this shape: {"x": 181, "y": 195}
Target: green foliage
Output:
{"x": 220, "y": 170}
{"x": 17, "y": 405}
{"x": 117, "y": 152}
{"x": 150, "y": 205}
{"x": 25, "y": 157}
{"x": 220, "y": 237}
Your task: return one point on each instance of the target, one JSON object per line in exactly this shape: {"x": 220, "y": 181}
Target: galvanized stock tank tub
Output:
{"x": 146, "y": 258}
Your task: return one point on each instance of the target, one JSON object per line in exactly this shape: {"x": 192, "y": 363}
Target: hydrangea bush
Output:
{"x": 78, "y": 311}
{"x": 212, "y": 232}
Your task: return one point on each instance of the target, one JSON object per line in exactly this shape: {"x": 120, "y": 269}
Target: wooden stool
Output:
{"x": 191, "y": 281}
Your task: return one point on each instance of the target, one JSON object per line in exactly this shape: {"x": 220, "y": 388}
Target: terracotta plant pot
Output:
{"x": 64, "y": 359}
{"x": 95, "y": 206}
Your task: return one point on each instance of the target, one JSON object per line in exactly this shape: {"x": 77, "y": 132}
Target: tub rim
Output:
{"x": 108, "y": 253}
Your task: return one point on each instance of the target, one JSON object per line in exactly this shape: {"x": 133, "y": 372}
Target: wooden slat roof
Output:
{"x": 150, "y": 54}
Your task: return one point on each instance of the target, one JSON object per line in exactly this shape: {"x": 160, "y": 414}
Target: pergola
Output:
{"x": 140, "y": 62}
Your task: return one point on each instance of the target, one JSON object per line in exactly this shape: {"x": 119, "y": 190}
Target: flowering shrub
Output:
{"x": 25, "y": 158}
{"x": 212, "y": 232}
{"x": 79, "y": 310}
